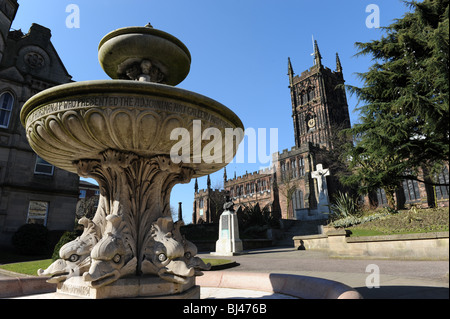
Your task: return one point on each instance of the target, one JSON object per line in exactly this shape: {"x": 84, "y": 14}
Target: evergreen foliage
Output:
{"x": 404, "y": 119}
{"x": 65, "y": 238}
{"x": 344, "y": 205}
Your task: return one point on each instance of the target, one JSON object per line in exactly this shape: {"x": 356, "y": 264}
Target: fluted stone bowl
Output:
{"x": 81, "y": 120}
{"x": 122, "y": 47}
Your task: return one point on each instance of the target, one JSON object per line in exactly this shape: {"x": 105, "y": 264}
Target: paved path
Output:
{"x": 398, "y": 279}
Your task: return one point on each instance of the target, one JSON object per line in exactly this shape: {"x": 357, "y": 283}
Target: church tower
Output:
{"x": 319, "y": 102}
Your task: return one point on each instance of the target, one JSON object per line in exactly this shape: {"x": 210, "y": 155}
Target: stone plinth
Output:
{"x": 229, "y": 243}
{"x": 130, "y": 287}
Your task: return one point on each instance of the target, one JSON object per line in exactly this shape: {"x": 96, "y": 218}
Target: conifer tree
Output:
{"x": 404, "y": 119}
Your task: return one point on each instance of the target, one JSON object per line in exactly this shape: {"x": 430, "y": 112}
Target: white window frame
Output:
{"x": 36, "y": 171}
{"x": 38, "y": 217}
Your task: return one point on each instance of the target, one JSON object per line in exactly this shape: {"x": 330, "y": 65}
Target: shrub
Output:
{"x": 344, "y": 206}
{"x": 31, "y": 239}
{"x": 65, "y": 238}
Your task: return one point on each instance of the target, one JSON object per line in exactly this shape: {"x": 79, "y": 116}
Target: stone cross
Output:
{"x": 320, "y": 175}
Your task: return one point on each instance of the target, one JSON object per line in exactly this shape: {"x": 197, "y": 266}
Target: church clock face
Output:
{"x": 311, "y": 123}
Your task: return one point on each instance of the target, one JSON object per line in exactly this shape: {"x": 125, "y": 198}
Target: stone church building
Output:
{"x": 291, "y": 188}
{"x": 31, "y": 190}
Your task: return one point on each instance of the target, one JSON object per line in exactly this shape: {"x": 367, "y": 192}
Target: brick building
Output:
{"x": 319, "y": 108}
{"x": 319, "y": 111}
{"x": 208, "y": 204}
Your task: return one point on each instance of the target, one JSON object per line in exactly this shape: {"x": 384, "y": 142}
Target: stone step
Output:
{"x": 299, "y": 228}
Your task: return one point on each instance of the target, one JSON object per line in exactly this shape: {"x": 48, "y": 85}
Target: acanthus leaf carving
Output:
{"x": 135, "y": 231}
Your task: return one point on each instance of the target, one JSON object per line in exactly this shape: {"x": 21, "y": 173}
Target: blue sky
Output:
{"x": 239, "y": 50}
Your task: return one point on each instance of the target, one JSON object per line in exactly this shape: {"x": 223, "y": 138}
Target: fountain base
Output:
{"x": 150, "y": 287}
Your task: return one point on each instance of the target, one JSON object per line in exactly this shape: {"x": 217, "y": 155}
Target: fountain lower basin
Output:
{"x": 81, "y": 120}
{"x": 294, "y": 286}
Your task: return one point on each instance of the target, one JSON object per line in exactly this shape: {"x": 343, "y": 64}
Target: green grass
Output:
{"x": 406, "y": 222}
{"x": 31, "y": 267}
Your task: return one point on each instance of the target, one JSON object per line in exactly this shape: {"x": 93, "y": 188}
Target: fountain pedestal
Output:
{"x": 131, "y": 287}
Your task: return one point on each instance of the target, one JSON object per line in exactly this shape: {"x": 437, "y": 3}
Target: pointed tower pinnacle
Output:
{"x": 180, "y": 211}
{"x": 196, "y": 186}
{"x": 338, "y": 64}
{"x": 208, "y": 182}
{"x": 224, "y": 176}
{"x": 317, "y": 56}
{"x": 290, "y": 72}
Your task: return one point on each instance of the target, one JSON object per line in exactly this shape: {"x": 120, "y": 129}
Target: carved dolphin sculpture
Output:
{"x": 166, "y": 256}
{"x": 190, "y": 251}
{"x": 111, "y": 258}
{"x": 74, "y": 256}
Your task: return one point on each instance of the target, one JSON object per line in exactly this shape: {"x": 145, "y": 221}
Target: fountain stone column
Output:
{"x": 120, "y": 133}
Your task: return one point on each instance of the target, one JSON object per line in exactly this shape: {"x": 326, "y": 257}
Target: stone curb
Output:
{"x": 24, "y": 285}
{"x": 302, "y": 287}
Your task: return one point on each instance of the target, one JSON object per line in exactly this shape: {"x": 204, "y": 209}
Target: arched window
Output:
{"x": 301, "y": 166}
{"x": 442, "y": 191}
{"x": 311, "y": 94}
{"x": 304, "y": 98}
{"x": 411, "y": 189}
{"x": 298, "y": 200}
{"x": 6, "y": 105}
{"x": 294, "y": 167}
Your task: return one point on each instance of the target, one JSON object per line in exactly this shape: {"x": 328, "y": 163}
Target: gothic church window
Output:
{"x": 411, "y": 189}
{"x": 294, "y": 168}
{"x": 6, "y": 105}
{"x": 442, "y": 191}
{"x": 381, "y": 197}
{"x": 297, "y": 200}
{"x": 304, "y": 98}
{"x": 307, "y": 96}
{"x": 301, "y": 166}
{"x": 312, "y": 95}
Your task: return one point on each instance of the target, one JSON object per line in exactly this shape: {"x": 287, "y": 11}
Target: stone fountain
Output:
{"x": 118, "y": 132}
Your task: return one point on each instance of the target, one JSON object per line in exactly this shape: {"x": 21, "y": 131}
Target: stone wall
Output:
{"x": 433, "y": 246}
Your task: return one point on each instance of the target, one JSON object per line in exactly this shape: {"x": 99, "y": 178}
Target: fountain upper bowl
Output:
{"x": 121, "y": 48}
